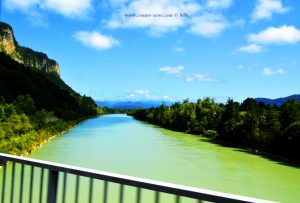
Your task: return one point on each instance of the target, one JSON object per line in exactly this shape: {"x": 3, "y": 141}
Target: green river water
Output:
{"x": 120, "y": 144}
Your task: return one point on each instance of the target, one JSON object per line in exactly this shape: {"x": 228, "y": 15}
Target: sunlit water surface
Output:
{"x": 120, "y": 144}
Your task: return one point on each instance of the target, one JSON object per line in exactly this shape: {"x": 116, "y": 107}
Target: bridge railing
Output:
{"x": 51, "y": 185}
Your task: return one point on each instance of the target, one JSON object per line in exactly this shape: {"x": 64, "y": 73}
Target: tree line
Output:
{"x": 250, "y": 124}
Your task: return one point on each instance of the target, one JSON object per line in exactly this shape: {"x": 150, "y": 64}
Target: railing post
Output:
{"x": 52, "y": 186}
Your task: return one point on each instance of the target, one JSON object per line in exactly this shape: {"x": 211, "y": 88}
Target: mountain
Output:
{"x": 35, "y": 103}
{"x": 24, "y": 72}
{"x": 278, "y": 101}
{"x": 30, "y": 58}
{"x": 130, "y": 104}
{"x": 24, "y": 55}
{"x": 16, "y": 79}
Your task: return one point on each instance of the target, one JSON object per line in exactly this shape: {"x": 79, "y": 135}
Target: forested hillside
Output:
{"x": 250, "y": 124}
{"x": 33, "y": 107}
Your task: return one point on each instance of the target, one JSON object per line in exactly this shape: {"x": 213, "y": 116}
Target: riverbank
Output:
{"x": 57, "y": 135}
{"x": 271, "y": 156}
{"x": 263, "y": 128}
{"x": 28, "y": 142}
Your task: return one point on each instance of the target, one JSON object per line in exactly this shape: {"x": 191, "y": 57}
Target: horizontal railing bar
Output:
{"x": 185, "y": 191}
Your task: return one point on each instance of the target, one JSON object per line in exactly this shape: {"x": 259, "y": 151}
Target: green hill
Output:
{"x": 16, "y": 79}
{"x": 35, "y": 103}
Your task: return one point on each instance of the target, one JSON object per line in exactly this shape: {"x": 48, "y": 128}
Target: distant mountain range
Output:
{"x": 119, "y": 104}
{"x": 278, "y": 101}
{"x": 131, "y": 104}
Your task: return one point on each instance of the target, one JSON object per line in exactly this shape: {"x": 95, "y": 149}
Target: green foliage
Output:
{"x": 15, "y": 80}
{"x": 210, "y": 133}
{"x": 20, "y": 133}
{"x": 290, "y": 113}
{"x": 291, "y": 140}
{"x": 251, "y": 124}
{"x": 37, "y": 60}
{"x": 25, "y": 104}
{"x": 35, "y": 106}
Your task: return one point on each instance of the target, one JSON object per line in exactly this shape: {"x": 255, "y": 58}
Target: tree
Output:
{"x": 290, "y": 113}
{"x": 230, "y": 121}
{"x": 291, "y": 140}
{"x": 270, "y": 126}
{"x": 25, "y": 103}
{"x": 249, "y": 132}
{"x": 249, "y": 104}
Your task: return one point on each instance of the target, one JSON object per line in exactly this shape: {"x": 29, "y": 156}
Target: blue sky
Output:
{"x": 166, "y": 49}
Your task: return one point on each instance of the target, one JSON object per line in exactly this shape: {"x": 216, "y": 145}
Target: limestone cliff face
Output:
{"x": 24, "y": 55}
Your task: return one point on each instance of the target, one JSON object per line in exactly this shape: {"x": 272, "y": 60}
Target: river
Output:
{"x": 120, "y": 144}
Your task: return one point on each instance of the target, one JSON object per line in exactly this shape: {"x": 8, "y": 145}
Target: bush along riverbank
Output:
{"x": 23, "y": 127}
{"x": 251, "y": 124}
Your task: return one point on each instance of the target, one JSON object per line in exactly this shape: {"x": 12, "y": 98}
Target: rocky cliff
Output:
{"x": 24, "y": 55}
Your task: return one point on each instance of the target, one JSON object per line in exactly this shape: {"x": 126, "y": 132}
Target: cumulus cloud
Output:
{"x": 69, "y": 8}
{"x": 145, "y": 94}
{"x": 175, "y": 70}
{"x": 95, "y": 40}
{"x": 251, "y": 48}
{"x": 266, "y": 8}
{"x": 276, "y": 35}
{"x": 200, "y": 77}
{"x": 202, "y": 18}
{"x": 268, "y": 71}
{"x": 20, "y": 4}
{"x": 145, "y": 14}
{"x": 208, "y": 25}
{"x": 138, "y": 92}
{"x": 217, "y": 4}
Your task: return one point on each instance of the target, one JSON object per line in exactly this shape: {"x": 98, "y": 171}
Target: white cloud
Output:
{"x": 208, "y": 25}
{"x": 266, "y": 8}
{"x": 95, "y": 40}
{"x": 268, "y": 71}
{"x": 167, "y": 98}
{"x": 145, "y": 94}
{"x": 178, "y": 49}
{"x": 251, "y": 48}
{"x": 200, "y": 77}
{"x": 172, "y": 70}
{"x": 122, "y": 17}
{"x": 216, "y": 4}
{"x": 135, "y": 93}
{"x": 69, "y": 8}
{"x": 20, "y": 4}
{"x": 203, "y": 17}
{"x": 276, "y": 35}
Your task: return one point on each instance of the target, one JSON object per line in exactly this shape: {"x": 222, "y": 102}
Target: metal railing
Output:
{"x": 29, "y": 176}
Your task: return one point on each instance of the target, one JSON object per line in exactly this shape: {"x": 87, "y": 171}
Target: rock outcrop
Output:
{"x": 24, "y": 55}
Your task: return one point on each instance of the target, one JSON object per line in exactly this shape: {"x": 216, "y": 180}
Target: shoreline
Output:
{"x": 273, "y": 157}
{"x": 38, "y": 146}
{"x": 54, "y": 136}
